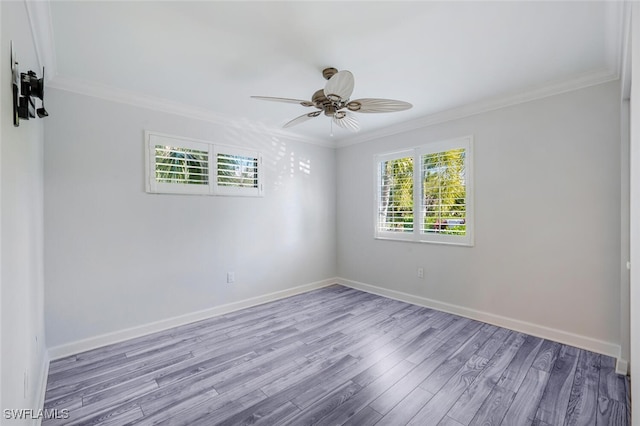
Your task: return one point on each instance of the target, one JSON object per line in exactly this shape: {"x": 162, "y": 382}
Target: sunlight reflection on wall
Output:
{"x": 281, "y": 161}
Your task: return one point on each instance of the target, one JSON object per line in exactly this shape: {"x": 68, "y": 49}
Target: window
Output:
{"x": 184, "y": 166}
{"x": 425, "y": 194}
{"x": 395, "y": 209}
{"x": 237, "y": 172}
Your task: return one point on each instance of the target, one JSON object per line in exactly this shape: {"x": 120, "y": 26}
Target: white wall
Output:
{"x": 547, "y": 203}
{"x": 624, "y": 230}
{"x": 21, "y": 261}
{"x": 117, "y": 257}
{"x": 634, "y": 160}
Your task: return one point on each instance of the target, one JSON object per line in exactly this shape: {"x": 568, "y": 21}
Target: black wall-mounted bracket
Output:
{"x": 25, "y": 87}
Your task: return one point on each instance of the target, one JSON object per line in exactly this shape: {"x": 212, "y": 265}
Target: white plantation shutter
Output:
{"x": 426, "y": 194}
{"x": 238, "y": 172}
{"x": 395, "y": 193}
{"x": 178, "y": 165}
{"x": 444, "y": 192}
{"x": 181, "y": 165}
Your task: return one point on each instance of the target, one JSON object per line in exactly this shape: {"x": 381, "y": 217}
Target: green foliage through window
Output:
{"x": 237, "y": 170}
{"x": 444, "y": 192}
{"x": 396, "y": 195}
{"x": 425, "y": 194}
{"x": 181, "y": 165}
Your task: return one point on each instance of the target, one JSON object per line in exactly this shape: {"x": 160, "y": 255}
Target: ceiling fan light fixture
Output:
{"x": 329, "y": 110}
{"x": 335, "y": 97}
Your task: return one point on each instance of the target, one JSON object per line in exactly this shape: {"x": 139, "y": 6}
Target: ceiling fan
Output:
{"x": 334, "y": 101}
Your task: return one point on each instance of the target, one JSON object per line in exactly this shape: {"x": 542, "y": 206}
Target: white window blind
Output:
{"x": 184, "y": 166}
{"x": 238, "y": 172}
{"x": 426, "y": 194}
{"x": 181, "y": 165}
{"x": 444, "y": 192}
{"x": 177, "y": 166}
{"x": 395, "y": 207}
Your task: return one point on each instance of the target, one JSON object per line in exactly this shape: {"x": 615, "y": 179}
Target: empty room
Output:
{"x": 319, "y": 212}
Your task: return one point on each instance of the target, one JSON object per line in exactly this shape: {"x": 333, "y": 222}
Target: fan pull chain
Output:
{"x": 331, "y": 133}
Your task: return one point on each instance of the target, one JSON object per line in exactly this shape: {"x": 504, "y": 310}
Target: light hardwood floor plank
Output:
{"x": 514, "y": 374}
{"x": 408, "y": 407}
{"x": 469, "y": 403}
{"x": 555, "y": 400}
{"x": 612, "y": 408}
{"x": 337, "y": 356}
{"x": 583, "y": 403}
{"x": 494, "y": 407}
{"x": 438, "y": 406}
{"x": 524, "y": 407}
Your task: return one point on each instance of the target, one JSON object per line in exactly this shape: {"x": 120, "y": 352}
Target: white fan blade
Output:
{"x": 377, "y": 105}
{"x": 287, "y": 100}
{"x": 340, "y": 86}
{"x": 348, "y": 121}
{"x": 302, "y": 118}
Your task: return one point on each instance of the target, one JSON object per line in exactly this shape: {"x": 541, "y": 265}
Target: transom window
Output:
{"x": 184, "y": 166}
{"x": 178, "y": 165}
{"x": 425, "y": 194}
{"x": 238, "y": 171}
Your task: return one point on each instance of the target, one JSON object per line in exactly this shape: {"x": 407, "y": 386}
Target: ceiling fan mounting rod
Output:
{"x": 334, "y": 101}
{"x": 327, "y": 73}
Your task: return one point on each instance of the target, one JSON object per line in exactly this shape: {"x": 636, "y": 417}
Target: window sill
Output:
{"x": 419, "y": 241}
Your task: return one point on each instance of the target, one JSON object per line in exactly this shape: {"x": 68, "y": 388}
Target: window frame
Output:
{"x": 211, "y": 188}
{"x": 378, "y": 160}
{"x": 416, "y": 153}
{"x": 231, "y": 190}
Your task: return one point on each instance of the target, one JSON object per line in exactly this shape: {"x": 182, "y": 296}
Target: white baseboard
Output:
{"x": 579, "y": 341}
{"x": 79, "y": 346}
{"x": 582, "y": 342}
{"x": 42, "y": 386}
{"x": 622, "y": 366}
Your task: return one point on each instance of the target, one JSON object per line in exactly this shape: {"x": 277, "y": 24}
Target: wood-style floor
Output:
{"x": 338, "y": 356}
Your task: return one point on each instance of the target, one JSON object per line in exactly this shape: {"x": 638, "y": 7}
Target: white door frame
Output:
{"x": 634, "y": 208}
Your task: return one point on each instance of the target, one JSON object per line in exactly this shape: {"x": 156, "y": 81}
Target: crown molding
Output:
{"x": 533, "y": 93}
{"x": 171, "y": 107}
{"x": 40, "y": 21}
{"x": 39, "y": 15}
{"x": 136, "y": 99}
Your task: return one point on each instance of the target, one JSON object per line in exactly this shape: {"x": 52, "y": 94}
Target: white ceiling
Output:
{"x": 209, "y": 57}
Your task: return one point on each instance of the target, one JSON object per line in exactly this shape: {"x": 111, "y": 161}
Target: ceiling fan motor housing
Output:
{"x": 329, "y": 110}
{"x": 319, "y": 98}
{"x": 334, "y": 99}
{"x": 323, "y": 103}
{"x": 327, "y": 73}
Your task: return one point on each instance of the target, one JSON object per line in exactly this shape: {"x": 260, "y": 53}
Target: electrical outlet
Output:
{"x": 420, "y": 272}
{"x": 231, "y": 277}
